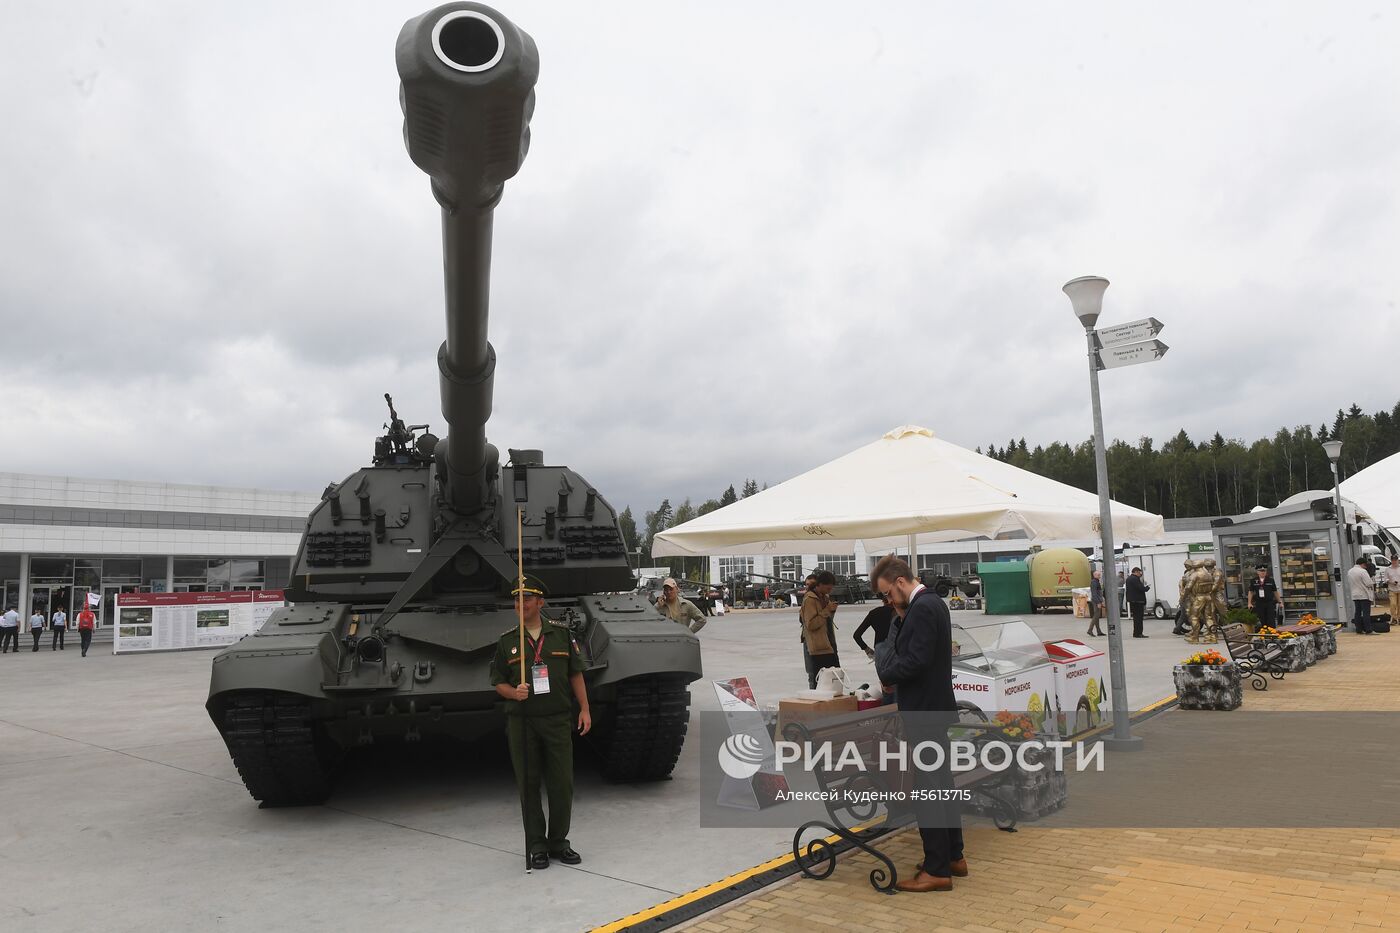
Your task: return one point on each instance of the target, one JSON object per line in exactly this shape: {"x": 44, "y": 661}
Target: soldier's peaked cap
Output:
{"x": 530, "y": 586}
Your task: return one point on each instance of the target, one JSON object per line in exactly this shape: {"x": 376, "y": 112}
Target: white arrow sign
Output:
{"x": 1149, "y": 351}
{"x": 1131, "y": 332}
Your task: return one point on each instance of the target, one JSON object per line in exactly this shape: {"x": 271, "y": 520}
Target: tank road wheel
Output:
{"x": 647, "y": 728}
{"x": 278, "y": 749}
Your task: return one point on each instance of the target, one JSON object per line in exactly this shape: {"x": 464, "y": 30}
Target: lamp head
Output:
{"x": 1086, "y": 294}
{"x": 1334, "y": 450}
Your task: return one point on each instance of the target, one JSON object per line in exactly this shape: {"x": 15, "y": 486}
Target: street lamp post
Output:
{"x": 1334, "y": 453}
{"x": 1086, "y": 295}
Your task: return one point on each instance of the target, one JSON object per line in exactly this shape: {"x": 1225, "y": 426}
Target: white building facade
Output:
{"x": 63, "y": 537}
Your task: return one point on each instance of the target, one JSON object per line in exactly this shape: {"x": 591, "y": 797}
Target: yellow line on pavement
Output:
{"x": 691, "y": 897}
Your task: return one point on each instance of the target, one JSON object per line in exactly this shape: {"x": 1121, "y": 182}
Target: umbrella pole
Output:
{"x": 913, "y": 557}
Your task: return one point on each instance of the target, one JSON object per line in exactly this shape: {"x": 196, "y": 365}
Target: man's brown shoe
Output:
{"x": 958, "y": 869}
{"x": 922, "y": 883}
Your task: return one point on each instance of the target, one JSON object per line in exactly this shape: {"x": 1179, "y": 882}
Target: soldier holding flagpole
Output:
{"x": 538, "y": 671}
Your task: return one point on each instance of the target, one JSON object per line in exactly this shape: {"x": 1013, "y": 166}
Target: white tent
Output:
{"x": 906, "y": 484}
{"x": 1376, "y": 490}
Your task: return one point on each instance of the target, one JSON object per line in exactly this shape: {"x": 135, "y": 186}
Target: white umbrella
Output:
{"x": 906, "y": 485}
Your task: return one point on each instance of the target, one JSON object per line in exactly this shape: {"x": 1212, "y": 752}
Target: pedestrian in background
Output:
{"x": 9, "y": 630}
{"x": 1137, "y": 600}
{"x": 809, "y": 585}
{"x": 36, "y": 626}
{"x": 86, "y": 622}
{"x": 818, "y": 627}
{"x": 58, "y": 623}
{"x": 1392, "y": 584}
{"x": 1096, "y": 604}
{"x": 677, "y": 608}
{"x": 1264, "y": 595}
{"x": 877, "y": 622}
{"x": 1363, "y": 592}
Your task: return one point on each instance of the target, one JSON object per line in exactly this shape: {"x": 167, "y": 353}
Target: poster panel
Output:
{"x": 172, "y": 621}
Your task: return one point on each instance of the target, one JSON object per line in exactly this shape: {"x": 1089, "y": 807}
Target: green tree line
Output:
{"x": 1221, "y": 476}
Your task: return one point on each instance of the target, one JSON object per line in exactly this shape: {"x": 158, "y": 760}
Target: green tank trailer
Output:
{"x": 399, "y": 588}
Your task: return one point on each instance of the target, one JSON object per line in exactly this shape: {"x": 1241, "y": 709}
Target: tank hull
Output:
{"x": 291, "y": 699}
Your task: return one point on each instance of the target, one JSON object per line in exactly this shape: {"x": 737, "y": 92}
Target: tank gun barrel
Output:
{"x": 467, "y": 91}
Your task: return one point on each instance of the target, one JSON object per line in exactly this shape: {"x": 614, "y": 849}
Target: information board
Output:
{"x": 171, "y": 621}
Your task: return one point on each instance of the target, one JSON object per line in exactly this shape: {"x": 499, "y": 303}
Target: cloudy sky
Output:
{"x": 748, "y": 237}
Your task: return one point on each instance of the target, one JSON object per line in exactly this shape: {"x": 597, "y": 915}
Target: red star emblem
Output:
{"x": 1063, "y": 576}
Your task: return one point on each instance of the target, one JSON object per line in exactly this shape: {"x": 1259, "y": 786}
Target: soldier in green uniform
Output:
{"x": 539, "y": 721}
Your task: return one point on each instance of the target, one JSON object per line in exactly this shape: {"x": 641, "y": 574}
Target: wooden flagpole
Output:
{"x": 520, "y": 615}
{"x": 520, "y": 585}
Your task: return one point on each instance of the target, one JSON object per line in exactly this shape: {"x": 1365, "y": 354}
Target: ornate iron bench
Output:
{"x": 854, "y": 798}
{"x": 1253, "y": 658}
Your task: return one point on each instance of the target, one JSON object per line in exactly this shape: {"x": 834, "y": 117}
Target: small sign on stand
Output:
{"x": 747, "y": 758}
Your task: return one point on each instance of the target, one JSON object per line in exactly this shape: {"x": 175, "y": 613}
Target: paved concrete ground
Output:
{"x": 1150, "y": 880}
{"x": 122, "y": 811}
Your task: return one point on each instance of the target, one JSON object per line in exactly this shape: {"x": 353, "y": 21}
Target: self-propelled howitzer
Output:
{"x": 400, "y": 588}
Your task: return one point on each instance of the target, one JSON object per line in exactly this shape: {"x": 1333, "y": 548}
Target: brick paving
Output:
{"x": 1114, "y": 880}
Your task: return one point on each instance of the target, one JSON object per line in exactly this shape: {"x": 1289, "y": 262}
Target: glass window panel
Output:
{"x": 51, "y": 568}
{"x": 1242, "y": 555}
{"x": 187, "y": 568}
{"x": 843, "y": 565}
{"x": 788, "y": 568}
{"x": 730, "y": 567}
{"x": 121, "y": 567}
{"x": 245, "y": 571}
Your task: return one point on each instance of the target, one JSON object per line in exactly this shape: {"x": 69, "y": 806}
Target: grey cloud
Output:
{"x": 746, "y": 240}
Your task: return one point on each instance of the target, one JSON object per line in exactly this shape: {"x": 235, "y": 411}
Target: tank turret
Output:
{"x": 399, "y": 585}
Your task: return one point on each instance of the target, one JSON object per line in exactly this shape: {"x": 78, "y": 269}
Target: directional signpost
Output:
{"x": 1129, "y": 344}
{"x": 1131, "y": 332}
{"x": 1111, "y": 348}
{"x": 1130, "y": 354}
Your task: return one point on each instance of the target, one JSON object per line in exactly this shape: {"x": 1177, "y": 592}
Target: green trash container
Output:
{"x": 1006, "y": 587}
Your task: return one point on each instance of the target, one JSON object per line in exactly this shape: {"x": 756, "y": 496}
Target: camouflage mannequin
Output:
{"x": 1217, "y": 598}
{"x": 1205, "y": 625}
{"x": 1200, "y": 589}
{"x": 1182, "y": 616}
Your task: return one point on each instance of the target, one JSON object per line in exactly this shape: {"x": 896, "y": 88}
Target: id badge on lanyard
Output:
{"x": 539, "y": 671}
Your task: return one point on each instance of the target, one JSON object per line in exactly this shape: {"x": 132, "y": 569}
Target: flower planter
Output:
{"x": 1208, "y": 686}
{"x": 1331, "y": 635}
{"x": 1034, "y": 794}
{"x": 1320, "y": 643}
{"x": 1299, "y": 653}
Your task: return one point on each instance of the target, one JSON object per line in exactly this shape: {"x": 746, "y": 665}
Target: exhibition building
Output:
{"x": 63, "y": 537}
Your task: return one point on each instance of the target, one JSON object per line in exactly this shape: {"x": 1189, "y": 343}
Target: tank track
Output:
{"x": 275, "y": 747}
{"x": 649, "y": 722}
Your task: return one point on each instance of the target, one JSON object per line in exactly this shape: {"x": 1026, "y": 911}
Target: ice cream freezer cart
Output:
{"x": 1081, "y": 685}
{"x": 1003, "y": 666}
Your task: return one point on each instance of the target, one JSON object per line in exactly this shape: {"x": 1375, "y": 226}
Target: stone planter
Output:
{"x": 1208, "y": 686}
{"x": 1034, "y": 794}
{"x": 1331, "y": 635}
{"x": 1321, "y": 648}
{"x": 1298, "y": 652}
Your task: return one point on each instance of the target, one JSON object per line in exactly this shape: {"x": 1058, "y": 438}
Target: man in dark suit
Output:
{"x": 1137, "y": 600}
{"x": 917, "y": 659}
